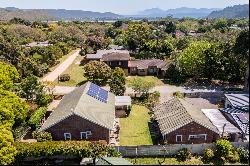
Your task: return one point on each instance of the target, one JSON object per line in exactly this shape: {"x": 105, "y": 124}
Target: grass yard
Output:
{"x": 134, "y": 129}
{"x": 156, "y": 80}
{"x": 76, "y": 74}
{"x": 174, "y": 161}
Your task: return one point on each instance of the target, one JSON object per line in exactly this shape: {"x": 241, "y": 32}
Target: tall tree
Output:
{"x": 117, "y": 82}
{"x": 97, "y": 72}
{"x": 8, "y": 76}
{"x": 242, "y": 49}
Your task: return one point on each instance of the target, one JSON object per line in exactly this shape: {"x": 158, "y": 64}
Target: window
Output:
{"x": 119, "y": 63}
{"x": 86, "y": 134}
{"x": 178, "y": 138}
{"x": 198, "y": 136}
{"x": 110, "y": 63}
{"x": 67, "y": 136}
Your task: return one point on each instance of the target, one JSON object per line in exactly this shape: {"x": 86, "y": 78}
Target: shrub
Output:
{"x": 184, "y": 154}
{"x": 178, "y": 94}
{"x": 234, "y": 157}
{"x": 42, "y": 136}
{"x": 223, "y": 148}
{"x": 35, "y": 119}
{"x": 64, "y": 77}
{"x": 244, "y": 154}
{"x": 79, "y": 149}
{"x": 208, "y": 155}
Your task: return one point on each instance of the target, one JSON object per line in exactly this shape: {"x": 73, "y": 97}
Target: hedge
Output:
{"x": 35, "y": 119}
{"x": 77, "y": 149}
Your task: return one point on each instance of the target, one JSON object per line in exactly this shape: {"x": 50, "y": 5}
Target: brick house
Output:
{"x": 121, "y": 58}
{"x": 181, "y": 123}
{"x": 87, "y": 113}
{"x": 154, "y": 67}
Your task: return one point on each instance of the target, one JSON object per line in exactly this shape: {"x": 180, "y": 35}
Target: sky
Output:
{"x": 118, "y": 6}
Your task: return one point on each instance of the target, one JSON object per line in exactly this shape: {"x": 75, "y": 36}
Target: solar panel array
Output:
{"x": 98, "y": 93}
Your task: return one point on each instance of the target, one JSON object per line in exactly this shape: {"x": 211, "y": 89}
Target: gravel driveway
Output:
{"x": 52, "y": 76}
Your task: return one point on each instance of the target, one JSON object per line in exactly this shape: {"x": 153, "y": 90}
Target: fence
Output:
{"x": 168, "y": 150}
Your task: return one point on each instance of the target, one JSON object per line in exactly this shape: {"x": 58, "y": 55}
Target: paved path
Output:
{"x": 52, "y": 76}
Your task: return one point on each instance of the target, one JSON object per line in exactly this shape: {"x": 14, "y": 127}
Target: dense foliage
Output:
{"x": 78, "y": 149}
{"x": 97, "y": 72}
{"x": 117, "y": 82}
{"x": 42, "y": 136}
{"x": 35, "y": 119}
{"x": 8, "y": 76}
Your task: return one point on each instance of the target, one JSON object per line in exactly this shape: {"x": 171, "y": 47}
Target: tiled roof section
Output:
{"x": 239, "y": 100}
{"x": 219, "y": 121}
{"x": 176, "y": 113}
{"x": 144, "y": 64}
{"x": 100, "y": 53}
{"x": 79, "y": 103}
{"x": 116, "y": 56}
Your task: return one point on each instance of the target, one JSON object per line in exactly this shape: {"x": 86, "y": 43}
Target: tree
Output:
{"x": 13, "y": 110}
{"x": 97, "y": 72}
{"x": 7, "y": 150}
{"x": 33, "y": 91}
{"x": 241, "y": 48}
{"x": 8, "y": 76}
{"x": 170, "y": 27}
{"x": 220, "y": 24}
{"x": 141, "y": 86}
{"x": 137, "y": 35}
{"x": 117, "y": 82}
{"x": 192, "y": 59}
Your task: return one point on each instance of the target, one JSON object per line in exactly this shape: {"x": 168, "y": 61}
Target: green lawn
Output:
{"x": 156, "y": 80}
{"x": 134, "y": 129}
{"x": 76, "y": 74}
{"x": 174, "y": 161}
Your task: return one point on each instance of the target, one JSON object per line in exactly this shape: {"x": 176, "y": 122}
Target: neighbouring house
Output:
{"x": 38, "y": 44}
{"x": 121, "y": 58}
{"x": 122, "y": 106}
{"x": 227, "y": 130}
{"x": 239, "y": 118}
{"x": 194, "y": 33}
{"x": 112, "y": 161}
{"x": 182, "y": 123}
{"x": 86, "y": 113}
{"x": 117, "y": 59}
{"x": 155, "y": 67}
{"x": 114, "y": 58}
{"x": 238, "y": 101}
{"x": 179, "y": 33}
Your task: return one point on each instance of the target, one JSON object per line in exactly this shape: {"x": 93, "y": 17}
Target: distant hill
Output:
{"x": 237, "y": 11}
{"x": 178, "y": 12}
{"x": 32, "y": 15}
{"x": 53, "y": 14}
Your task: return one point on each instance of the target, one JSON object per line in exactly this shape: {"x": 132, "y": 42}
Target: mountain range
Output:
{"x": 178, "y": 12}
{"x": 63, "y": 14}
{"x": 237, "y": 11}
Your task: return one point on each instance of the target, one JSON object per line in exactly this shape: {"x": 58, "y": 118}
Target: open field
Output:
{"x": 134, "y": 129}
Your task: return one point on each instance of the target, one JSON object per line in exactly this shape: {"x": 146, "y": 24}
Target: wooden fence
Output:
{"x": 168, "y": 150}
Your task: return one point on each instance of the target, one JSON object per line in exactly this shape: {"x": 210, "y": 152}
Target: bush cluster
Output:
{"x": 35, "y": 119}
{"x": 208, "y": 155}
{"x": 42, "y": 136}
{"x": 64, "y": 77}
{"x": 184, "y": 154}
{"x": 78, "y": 149}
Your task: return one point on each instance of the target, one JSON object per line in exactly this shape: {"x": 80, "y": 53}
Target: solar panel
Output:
{"x": 98, "y": 93}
